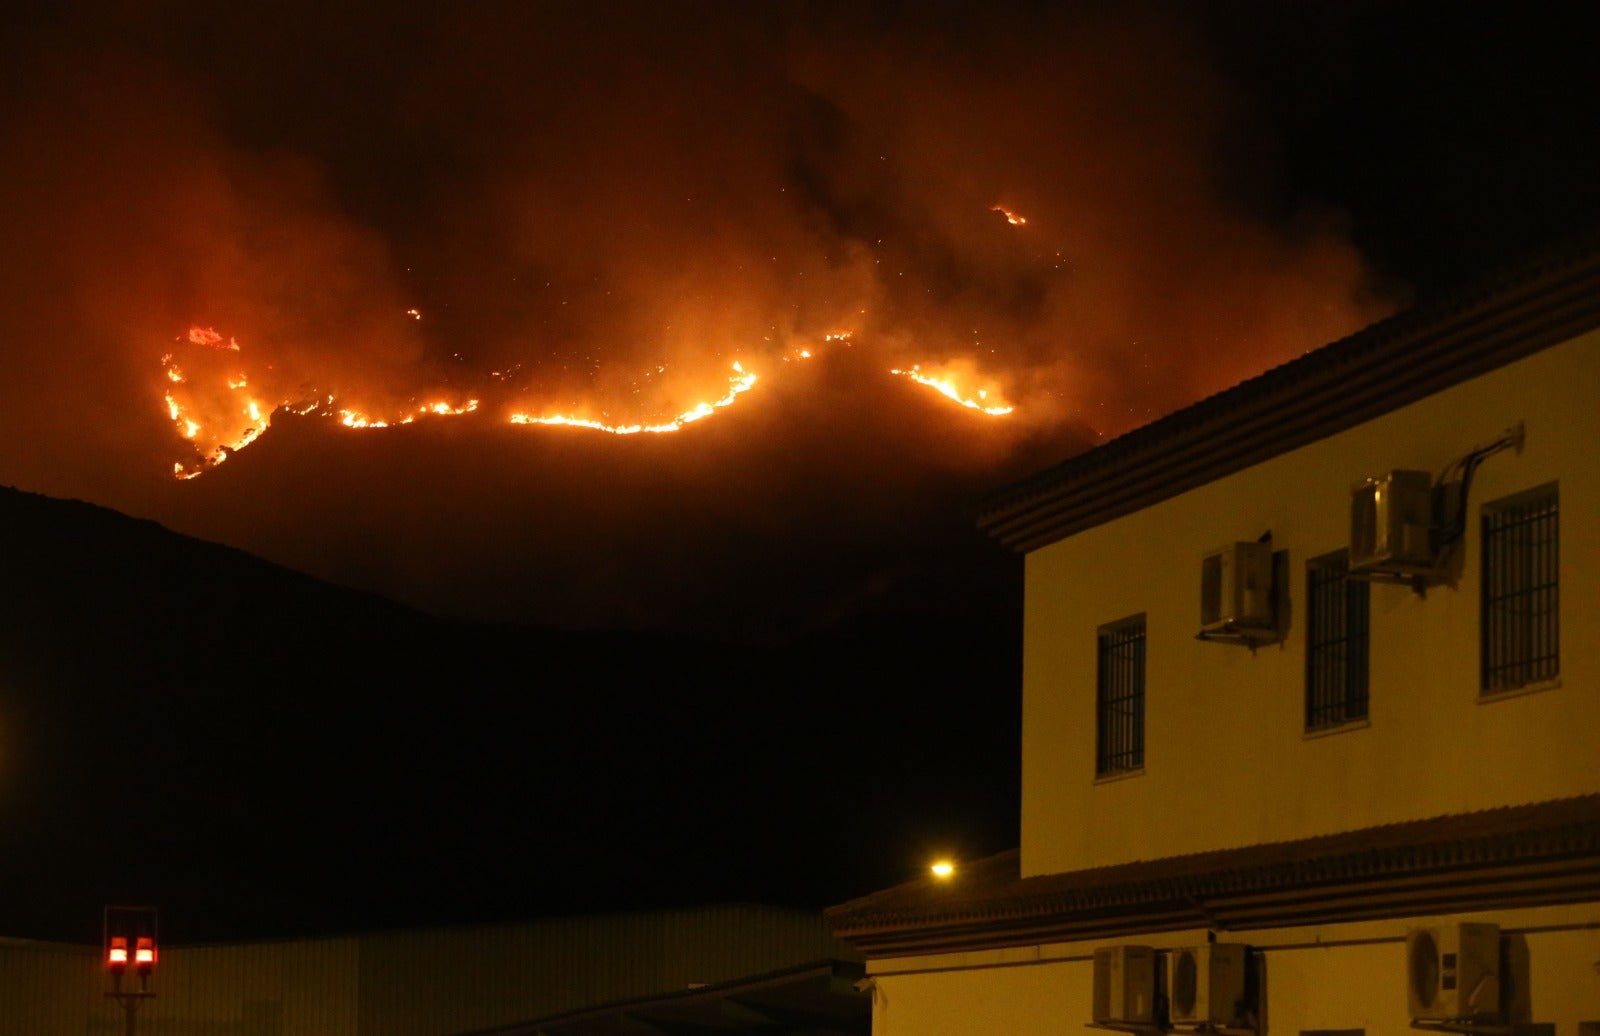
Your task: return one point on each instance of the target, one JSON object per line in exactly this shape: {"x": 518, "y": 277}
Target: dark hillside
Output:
{"x": 258, "y": 752}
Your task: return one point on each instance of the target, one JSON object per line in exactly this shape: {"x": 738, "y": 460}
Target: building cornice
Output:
{"x": 1503, "y": 318}
{"x": 1517, "y": 856}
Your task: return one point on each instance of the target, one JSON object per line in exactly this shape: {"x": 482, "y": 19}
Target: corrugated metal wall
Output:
{"x": 48, "y": 989}
{"x": 428, "y": 982}
{"x": 305, "y": 987}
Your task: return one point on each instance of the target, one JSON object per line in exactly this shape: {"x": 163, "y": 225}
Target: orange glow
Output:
{"x": 144, "y": 953}
{"x": 1011, "y": 217}
{"x": 945, "y": 385}
{"x": 355, "y": 419}
{"x": 117, "y": 953}
{"x": 739, "y": 383}
{"x": 209, "y": 336}
{"x": 216, "y": 408}
{"x": 943, "y": 869}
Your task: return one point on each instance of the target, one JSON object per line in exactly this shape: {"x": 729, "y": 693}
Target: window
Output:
{"x": 1119, "y": 698}
{"x": 1520, "y": 612}
{"x": 1336, "y": 643}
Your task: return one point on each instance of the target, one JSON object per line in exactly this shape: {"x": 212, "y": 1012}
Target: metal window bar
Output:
{"x": 1119, "y": 699}
{"x": 1520, "y": 641}
{"x": 1336, "y": 644}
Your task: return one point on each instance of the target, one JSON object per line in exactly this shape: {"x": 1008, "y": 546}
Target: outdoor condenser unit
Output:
{"x": 1391, "y": 525}
{"x": 1236, "y": 591}
{"x": 1453, "y": 972}
{"x": 1124, "y": 984}
{"x": 1205, "y": 984}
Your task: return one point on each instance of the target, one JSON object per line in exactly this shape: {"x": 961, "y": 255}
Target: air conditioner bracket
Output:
{"x": 1151, "y": 1030}
{"x": 1488, "y": 1028}
{"x": 1238, "y": 633}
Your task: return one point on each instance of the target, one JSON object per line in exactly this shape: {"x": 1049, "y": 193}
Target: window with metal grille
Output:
{"x": 1119, "y": 698}
{"x": 1520, "y": 614}
{"x": 1336, "y": 643}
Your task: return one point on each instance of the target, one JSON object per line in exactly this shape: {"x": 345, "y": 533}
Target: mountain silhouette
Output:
{"x": 258, "y": 752}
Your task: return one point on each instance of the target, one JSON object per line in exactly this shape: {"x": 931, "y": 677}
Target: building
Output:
{"x": 1311, "y": 705}
{"x": 732, "y": 968}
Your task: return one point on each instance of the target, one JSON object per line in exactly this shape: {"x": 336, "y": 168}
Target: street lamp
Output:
{"x": 126, "y": 926}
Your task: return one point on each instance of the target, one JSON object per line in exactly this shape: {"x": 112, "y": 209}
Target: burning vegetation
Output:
{"x": 1044, "y": 240}
{"x": 213, "y": 405}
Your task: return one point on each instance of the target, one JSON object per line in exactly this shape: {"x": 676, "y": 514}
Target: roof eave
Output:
{"x": 1389, "y": 365}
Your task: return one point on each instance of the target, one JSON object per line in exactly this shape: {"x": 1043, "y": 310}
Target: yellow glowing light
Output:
{"x": 1011, "y": 217}
{"x": 943, "y": 869}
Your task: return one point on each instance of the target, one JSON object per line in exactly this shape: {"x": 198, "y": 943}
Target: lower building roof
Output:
{"x": 1528, "y": 855}
{"x": 816, "y": 999}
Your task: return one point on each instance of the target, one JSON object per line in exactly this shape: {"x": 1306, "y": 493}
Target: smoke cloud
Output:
{"x": 595, "y": 210}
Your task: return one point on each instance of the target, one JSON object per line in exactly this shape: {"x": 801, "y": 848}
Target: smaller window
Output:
{"x": 1336, "y": 643}
{"x": 1520, "y": 614}
{"x": 1119, "y": 698}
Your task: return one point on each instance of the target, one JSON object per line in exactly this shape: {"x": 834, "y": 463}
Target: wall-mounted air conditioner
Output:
{"x": 1124, "y": 985}
{"x": 1453, "y": 971}
{"x": 1236, "y": 592}
{"x": 1205, "y": 985}
{"x": 1391, "y": 525}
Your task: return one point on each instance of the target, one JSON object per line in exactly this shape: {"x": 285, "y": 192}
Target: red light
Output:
{"x": 144, "y": 953}
{"x": 117, "y": 953}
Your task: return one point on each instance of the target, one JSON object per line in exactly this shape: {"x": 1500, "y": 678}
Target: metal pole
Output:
{"x": 130, "y": 1008}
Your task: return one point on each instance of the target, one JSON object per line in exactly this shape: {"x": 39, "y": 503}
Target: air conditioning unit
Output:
{"x": 1453, "y": 971}
{"x": 1205, "y": 984}
{"x": 1391, "y": 525}
{"x": 1236, "y": 591}
{"x": 1124, "y": 985}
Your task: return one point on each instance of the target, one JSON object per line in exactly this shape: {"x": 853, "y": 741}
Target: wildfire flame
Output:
{"x": 740, "y": 383}
{"x": 212, "y": 405}
{"x": 1011, "y": 217}
{"x": 945, "y": 386}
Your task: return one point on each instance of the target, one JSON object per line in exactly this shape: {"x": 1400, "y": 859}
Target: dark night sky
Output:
{"x": 595, "y": 209}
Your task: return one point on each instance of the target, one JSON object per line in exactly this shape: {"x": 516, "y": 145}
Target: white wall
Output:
{"x": 1227, "y": 761}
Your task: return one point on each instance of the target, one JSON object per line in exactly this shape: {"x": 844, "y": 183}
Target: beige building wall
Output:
{"x": 1332, "y": 977}
{"x": 1227, "y": 762}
